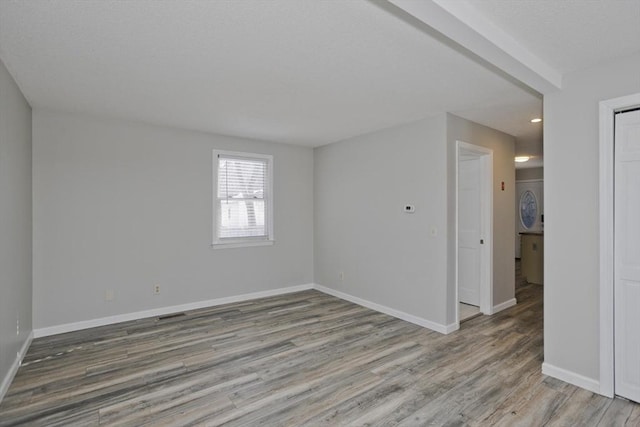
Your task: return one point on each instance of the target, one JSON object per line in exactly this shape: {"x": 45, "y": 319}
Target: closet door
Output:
{"x": 627, "y": 255}
{"x": 469, "y": 232}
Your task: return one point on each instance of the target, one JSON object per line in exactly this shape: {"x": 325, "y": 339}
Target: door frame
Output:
{"x": 485, "y": 155}
{"x": 608, "y": 108}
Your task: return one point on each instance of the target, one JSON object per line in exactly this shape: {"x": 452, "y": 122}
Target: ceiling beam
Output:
{"x": 460, "y": 23}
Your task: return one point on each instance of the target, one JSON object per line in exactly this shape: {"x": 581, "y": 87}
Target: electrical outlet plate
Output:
{"x": 156, "y": 289}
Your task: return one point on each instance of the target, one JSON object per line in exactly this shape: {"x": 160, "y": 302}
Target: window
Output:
{"x": 528, "y": 209}
{"x": 242, "y": 185}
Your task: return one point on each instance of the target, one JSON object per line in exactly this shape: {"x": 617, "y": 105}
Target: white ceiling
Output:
{"x": 305, "y": 72}
{"x": 568, "y": 34}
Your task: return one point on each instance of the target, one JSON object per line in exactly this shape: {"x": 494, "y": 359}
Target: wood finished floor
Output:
{"x": 304, "y": 359}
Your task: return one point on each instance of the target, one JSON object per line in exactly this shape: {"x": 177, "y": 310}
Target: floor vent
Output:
{"x": 171, "y": 316}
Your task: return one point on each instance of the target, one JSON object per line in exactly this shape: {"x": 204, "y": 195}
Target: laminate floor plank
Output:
{"x": 634, "y": 418}
{"x": 581, "y": 408}
{"x": 304, "y": 358}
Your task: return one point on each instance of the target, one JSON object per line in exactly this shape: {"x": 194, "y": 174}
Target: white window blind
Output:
{"x": 242, "y": 202}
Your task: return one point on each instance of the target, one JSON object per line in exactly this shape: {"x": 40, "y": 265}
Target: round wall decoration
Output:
{"x": 528, "y": 209}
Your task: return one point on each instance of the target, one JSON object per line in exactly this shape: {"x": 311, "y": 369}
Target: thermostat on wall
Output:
{"x": 409, "y": 209}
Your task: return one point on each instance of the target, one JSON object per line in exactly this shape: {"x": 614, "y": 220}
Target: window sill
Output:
{"x": 242, "y": 244}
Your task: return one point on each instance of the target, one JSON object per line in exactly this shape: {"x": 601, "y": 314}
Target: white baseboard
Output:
{"x": 571, "y": 378}
{"x": 443, "y": 329}
{"x": 13, "y": 370}
{"x": 102, "y": 321}
{"x": 503, "y": 305}
{"x": 109, "y": 320}
{"x": 452, "y": 327}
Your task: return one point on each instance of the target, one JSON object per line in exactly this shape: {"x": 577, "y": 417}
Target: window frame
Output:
{"x": 248, "y": 241}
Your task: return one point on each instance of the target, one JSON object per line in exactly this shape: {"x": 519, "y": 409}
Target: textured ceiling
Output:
{"x": 306, "y": 72}
{"x": 568, "y": 34}
{"x": 299, "y": 71}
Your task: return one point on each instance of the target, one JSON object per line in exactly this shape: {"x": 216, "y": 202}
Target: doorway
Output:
{"x": 474, "y": 234}
{"x": 619, "y": 247}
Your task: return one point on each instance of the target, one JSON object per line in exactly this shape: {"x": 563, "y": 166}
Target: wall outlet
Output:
{"x": 109, "y": 295}
{"x": 342, "y": 276}
{"x": 156, "y": 289}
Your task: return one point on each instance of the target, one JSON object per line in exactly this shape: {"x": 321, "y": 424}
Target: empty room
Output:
{"x": 319, "y": 213}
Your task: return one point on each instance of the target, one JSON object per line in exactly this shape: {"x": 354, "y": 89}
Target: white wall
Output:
{"x": 529, "y": 173}
{"x": 388, "y": 257}
{"x": 124, "y": 206}
{"x": 571, "y": 299}
{"x": 459, "y": 129}
{"x": 15, "y": 224}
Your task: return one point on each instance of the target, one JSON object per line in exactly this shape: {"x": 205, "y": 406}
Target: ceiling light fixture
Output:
{"x": 536, "y": 120}
{"x": 522, "y": 159}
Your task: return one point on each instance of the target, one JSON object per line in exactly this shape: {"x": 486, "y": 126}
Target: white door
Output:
{"x": 627, "y": 255}
{"x": 469, "y": 231}
{"x": 537, "y": 188}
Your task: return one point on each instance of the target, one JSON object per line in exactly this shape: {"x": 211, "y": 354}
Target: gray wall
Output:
{"x": 124, "y": 206}
{"x": 529, "y": 173}
{"x": 388, "y": 257}
{"x": 459, "y": 129}
{"x": 15, "y": 221}
{"x": 571, "y": 135}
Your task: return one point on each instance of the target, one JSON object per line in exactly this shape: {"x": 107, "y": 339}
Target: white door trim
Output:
{"x": 486, "y": 250}
{"x": 607, "y": 111}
